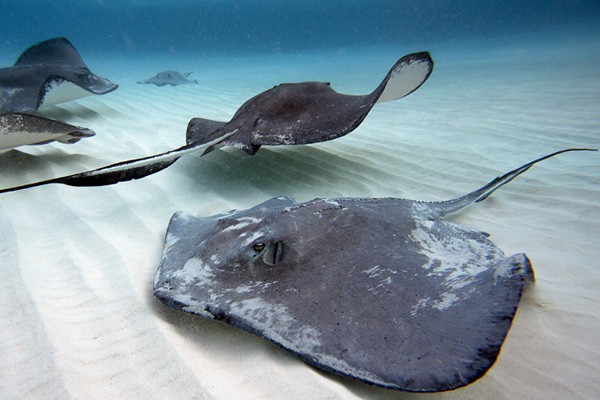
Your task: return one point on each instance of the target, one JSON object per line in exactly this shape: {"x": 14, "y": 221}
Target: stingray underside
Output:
{"x": 422, "y": 309}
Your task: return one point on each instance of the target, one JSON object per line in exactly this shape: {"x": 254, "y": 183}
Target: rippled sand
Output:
{"x": 77, "y": 264}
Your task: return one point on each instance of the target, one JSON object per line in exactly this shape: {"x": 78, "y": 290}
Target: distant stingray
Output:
{"x": 380, "y": 290}
{"x": 172, "y": 78}
{"x": 290, "y": 113}
{"x": 18, "y": 129}
{"x": 48, "y": 73}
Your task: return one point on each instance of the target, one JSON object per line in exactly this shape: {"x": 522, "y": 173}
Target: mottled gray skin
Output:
{"x": 367, "y": 288}
{"x": 308, "y": 112}
{"x": 17, "y": 129}
{"x": 24, "y": 86}
{"x": 382, "y": 290}
{"x": 172, "y": 78}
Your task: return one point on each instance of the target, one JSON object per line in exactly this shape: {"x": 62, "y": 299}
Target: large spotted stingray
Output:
{"x": 382, "y": 290}
{"x": 287, "y": 114}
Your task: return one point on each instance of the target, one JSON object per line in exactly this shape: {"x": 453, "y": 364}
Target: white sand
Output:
{"x": 77, "y": 264}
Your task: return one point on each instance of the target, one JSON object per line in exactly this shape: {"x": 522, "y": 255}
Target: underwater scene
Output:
{"x": 282, "y": 199}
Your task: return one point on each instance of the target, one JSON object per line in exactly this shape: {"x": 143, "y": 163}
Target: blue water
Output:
{"x": 513, "y": 79}
{"x": 275, "y": 26}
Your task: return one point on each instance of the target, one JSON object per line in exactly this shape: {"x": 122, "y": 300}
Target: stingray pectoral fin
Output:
{"x": 75, "y": 136}
{"x": 122, "y": 171}
{"x": 406, "y": 76}
{"x": 442, "y": 208}
{"x": 199, "y": 130}
{"x": 52, "y": 51}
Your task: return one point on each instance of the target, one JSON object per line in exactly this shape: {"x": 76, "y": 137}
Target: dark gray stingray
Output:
{"x": 308, "y": 112}
{"x": 172, "y": 78}
{"x": 48, "y": 73}
{"x": 381, "y": 290}
{"x": 17, "y": 129}
{"x": 290, "y": 113}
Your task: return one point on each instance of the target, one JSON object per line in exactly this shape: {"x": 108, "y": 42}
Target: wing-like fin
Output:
{"x": 199, "y": 130}
{"x": 52, "y": 51}
{"x": 406, "y": 76}
{"x": 442, "y": 208}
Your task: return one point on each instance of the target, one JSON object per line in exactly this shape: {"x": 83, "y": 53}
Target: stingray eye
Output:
{"x": 258, "y": 247}
{"x": 258, "y": 122}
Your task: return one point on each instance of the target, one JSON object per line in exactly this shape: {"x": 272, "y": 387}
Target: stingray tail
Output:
{"x": 111, "y": 174}
{"x": 443, "y": 208}
{"x": 122, "y": 171}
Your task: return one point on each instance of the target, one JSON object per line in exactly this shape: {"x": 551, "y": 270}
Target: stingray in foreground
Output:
{"x": 288, "y": 114}
{"x": 172, "y": 78}
{"x": 48, "y": 73}
{"x": 17, "y": 129}
{"x": 380, "y": 290}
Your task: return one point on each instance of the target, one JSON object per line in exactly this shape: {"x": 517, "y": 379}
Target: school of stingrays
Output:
{"x": 387, "y": 291}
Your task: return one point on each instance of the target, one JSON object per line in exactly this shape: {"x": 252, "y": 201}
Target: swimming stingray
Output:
{"x": 172, "y": 78}
{"x": 290, "y": 113}
{"x": 380, "y": 290}
{"x": 17, "y": 129}
{"x": 48, "y": 73}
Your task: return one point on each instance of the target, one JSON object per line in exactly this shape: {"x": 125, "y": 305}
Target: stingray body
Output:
{"x": 290, "y": 113}
{"x": 17, "y": 129}
{"x": 381, "y": 290}
{"x": 172, "y": 78}
{"x": 308, "y": 112}
{"x": 48, "y": 73}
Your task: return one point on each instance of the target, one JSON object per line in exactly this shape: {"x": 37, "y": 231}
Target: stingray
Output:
{"x": 382, "y": 290}
{"x": 308, "y": 112}
{"x": 287, "y": 114}
{"x": 172, "y": 78}
{"x": 17, "y": 129}
{"x": 48, "y": 73}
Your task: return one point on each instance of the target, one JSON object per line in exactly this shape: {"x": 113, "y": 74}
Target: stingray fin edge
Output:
{"x": 407, "y": 75}
{"x": 34, "y": 55}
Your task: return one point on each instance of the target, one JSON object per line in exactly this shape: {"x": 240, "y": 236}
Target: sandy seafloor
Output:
{"x": 77, "y": 264}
